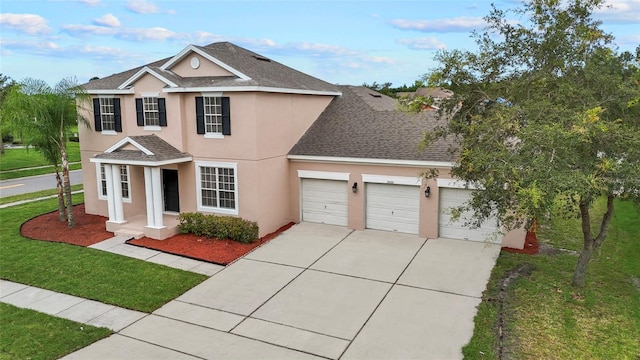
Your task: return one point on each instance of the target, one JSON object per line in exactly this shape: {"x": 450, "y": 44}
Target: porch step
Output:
{"x": 129, "y": 233}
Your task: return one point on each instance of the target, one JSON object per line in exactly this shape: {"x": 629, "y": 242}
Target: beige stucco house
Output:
{"x": 220, "y": 129}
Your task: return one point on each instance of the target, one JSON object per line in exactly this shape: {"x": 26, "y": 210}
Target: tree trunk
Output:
{"x": 61, "y": 208}
{"x": 67, "y": 184}
{"x": 589, "y": 242}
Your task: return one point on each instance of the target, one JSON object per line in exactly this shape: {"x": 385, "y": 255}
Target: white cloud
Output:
{"x": 36, "y": 47}
{"x": 144, "y": 34}
{"x": 90, "y": 2}
{"x": 107, "y": 20}
{"x": 425, "y": 43}
{"x": 146, "y": 7}
{"x": 84, "y": 30}
{"x": 620, "y": 11}
{"x": 459, "y": 24}
{"x": 27, "y": 23}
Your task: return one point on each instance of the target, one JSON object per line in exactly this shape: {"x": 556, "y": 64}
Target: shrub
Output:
{"x": 221, "y": 227}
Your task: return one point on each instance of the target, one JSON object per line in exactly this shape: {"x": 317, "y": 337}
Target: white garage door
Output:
{"x": 393, "y": 207}
{"x": 456, "y": 229}
{"x": 324, "y": 201}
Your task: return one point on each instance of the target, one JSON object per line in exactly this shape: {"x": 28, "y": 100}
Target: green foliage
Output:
{"x": 387, "y": 89}
{"x": 220, "y": 227}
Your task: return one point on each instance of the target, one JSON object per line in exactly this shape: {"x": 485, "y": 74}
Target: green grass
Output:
{"x": 28, "y": 334}
{"x": 34, "y": 172}
{"x": 21, "y": 158}
{"x": 35, "y": 195}
{"x": 547, "y": 318}
{"x": 84, "y": 272}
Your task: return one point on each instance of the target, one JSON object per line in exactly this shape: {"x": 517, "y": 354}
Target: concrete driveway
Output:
{"x": 320, "y": 291}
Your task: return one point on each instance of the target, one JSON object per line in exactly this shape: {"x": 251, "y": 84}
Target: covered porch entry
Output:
{"x": 162, "y": 202}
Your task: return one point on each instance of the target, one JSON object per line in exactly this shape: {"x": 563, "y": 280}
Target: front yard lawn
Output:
{"x": 546, "y": 318}
{"x": 84, "y": 272}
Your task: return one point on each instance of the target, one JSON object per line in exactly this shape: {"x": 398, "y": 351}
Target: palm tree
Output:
{"x": 43, "y": 116}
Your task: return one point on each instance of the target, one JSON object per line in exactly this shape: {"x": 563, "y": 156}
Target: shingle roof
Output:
{"x": 262, "y": 71}
{"x": 161, "y": 151}
{"x": 365, "y": 124}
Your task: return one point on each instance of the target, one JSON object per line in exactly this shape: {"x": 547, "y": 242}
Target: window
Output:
{"x": 151, "y": 112}
{"x": 217, "y": 187}
{"x": 124, "y": 182}
{"x": 107, "y": 117}
{"x": 213, "y": 117}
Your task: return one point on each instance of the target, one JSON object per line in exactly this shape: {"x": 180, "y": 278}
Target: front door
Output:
{"x": 170, "y": 189}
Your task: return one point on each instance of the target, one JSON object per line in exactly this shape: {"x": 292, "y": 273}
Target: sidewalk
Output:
{"x": 67, "y": 306}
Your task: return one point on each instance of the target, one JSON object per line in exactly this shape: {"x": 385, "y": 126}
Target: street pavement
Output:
{"x": 31, "y": 184}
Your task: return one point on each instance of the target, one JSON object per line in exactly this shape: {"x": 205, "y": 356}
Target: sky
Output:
{"x": 343, "y": 42}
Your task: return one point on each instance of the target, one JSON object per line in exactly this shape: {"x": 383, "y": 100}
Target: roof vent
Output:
{"x": 375, "y": 95}
{"x": 258, "y": 57}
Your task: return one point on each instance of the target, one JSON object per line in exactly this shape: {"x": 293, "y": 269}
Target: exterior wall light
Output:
{"x": 427, "y": 191}
{"x": 354, "y": 188}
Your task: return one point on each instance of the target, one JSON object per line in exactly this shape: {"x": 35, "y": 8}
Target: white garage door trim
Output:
{"x": 455, "y": 196}
{"x": 324, "y": 201}
{"x": 393, "y": 207}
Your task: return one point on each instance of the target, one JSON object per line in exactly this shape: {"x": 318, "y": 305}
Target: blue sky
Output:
{"x": 342, "y": 42}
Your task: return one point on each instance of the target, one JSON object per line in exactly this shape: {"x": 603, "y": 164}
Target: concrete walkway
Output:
{"x": 321, "y": 292}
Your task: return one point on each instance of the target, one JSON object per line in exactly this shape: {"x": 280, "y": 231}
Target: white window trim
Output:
{"x": 209, "y": 135}
{"x": 108, "y": 132}
{"x": 99, "y": 183}
{"x": 324, "y": 175}
{"x": 213, "y": 135}
{"x": 387, "y": 179}
{"x": 152, "y": 128}
{"x": 226, "y": 211}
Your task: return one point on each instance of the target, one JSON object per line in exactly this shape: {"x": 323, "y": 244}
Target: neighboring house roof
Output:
{"x": 363, "y": 123}
{"x": 253, "y": 71}
{"x": 434, "y": 92}
{"x": 142, "y": 150}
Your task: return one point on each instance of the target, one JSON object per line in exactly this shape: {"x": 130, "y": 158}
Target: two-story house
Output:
{"x": 220, "y": 129}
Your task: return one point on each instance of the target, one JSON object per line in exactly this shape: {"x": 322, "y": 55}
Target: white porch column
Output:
{"x": 157, "y": 197}
{"x": 117, "y": 193}
{"x": 148, "y": 191}
{"x": 110, "y": 197}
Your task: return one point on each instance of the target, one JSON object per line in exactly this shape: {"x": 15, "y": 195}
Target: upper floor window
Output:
{"x": 151, "y": 112}
{"x": 107, "y": 117}
{"x": 213, "y": 116}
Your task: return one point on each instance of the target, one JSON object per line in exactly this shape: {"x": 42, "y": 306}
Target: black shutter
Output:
{"x": 97, "y": 121}
{"x": 226, "y": 117}
{"x": 117, "y": 114}
{"x": 162, "y": 111}
{"x": 139, "y": 113}
{"x": 199, "y": 115}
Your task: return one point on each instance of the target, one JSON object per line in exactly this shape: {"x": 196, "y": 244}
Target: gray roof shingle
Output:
{"x": 363, "y": 123}
{"x": 262, "y": 71}
{"x": 162, "y": 151}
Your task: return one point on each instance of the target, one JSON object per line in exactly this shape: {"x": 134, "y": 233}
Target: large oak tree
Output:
{"x": 545, "y": 110}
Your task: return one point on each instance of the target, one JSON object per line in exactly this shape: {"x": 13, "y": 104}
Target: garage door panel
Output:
{"x": 450, "y": 198}
{"x": 393, "y": 207}
{"x": 324, "y": 201}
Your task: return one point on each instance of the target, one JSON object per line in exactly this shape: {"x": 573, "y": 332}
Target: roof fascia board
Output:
{"x": 140, "y": 163}
{"x": 252, "y": 89}
{"x": 143, "y": 71}
{"x": 126, "y": 141}
{"x": 191, "y": 48}
{"x": 369, "y": 161}
{"x": 111, "y": 92}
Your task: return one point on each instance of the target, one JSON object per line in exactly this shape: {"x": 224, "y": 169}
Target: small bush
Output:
{"x": 221, "y": 227}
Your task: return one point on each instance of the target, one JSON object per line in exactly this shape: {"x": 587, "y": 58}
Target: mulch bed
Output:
{"x": 216, "y": 251}
{"x": 90, "y": 229}
{"x": 531, "y": 245}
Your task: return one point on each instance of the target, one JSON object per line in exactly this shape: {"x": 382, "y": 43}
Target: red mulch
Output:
{"x": 531, "y": 245}
{"x": 197, "y": 247}
{"x": 90, "y": 229}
